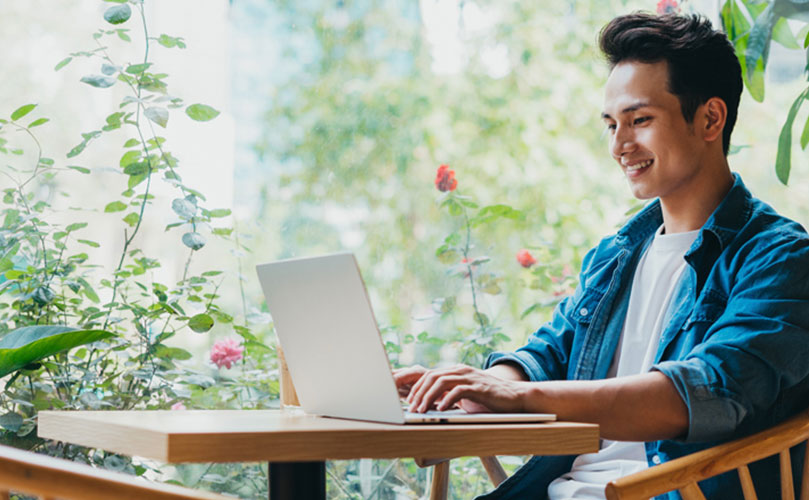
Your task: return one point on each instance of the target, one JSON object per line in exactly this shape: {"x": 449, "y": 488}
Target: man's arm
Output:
{"x": 636, "y": 408}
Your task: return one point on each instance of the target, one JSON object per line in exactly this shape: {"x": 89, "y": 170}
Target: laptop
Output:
{"x": 331, "y": 342}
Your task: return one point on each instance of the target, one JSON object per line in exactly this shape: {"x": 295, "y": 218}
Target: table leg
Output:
{"x": 297, "y": 480}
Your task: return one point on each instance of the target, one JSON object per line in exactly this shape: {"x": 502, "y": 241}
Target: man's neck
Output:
{"x": 689, "y": 211}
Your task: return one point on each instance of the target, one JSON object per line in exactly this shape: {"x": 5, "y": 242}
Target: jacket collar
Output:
{"x": 726, "y": 220}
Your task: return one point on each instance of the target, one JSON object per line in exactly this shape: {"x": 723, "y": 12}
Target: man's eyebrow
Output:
{"x": 628, "y": 109}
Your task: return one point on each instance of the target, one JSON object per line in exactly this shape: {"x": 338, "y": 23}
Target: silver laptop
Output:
{"x": 331, "y": 342}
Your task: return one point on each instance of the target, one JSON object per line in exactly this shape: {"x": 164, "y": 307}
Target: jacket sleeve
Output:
{"x": 756, "y": 350}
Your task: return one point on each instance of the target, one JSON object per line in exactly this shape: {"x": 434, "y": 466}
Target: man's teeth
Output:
{"x": 639, "y": 166}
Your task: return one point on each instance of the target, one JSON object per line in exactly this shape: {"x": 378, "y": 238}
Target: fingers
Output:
{"x": 408, "y": 376}
{"x": 434, "y": 383}
{"x": 404, "y": 378}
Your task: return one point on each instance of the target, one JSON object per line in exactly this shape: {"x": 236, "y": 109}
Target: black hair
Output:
{"x": 701, "y": 60}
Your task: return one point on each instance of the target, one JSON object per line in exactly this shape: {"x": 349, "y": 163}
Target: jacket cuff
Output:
{"x": 529, "y": 365}
{"x": 713, "y": 414}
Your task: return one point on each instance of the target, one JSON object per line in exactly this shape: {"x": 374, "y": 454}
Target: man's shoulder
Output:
{"x": 766, "y": 228}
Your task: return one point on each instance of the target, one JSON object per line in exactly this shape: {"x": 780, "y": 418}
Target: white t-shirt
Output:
{"x": 658, "y": 272}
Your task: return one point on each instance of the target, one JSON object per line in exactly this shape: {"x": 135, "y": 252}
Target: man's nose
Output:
{"x": 622, "y": 142}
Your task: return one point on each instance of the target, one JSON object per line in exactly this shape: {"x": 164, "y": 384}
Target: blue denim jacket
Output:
{"x": 735, "y": 344}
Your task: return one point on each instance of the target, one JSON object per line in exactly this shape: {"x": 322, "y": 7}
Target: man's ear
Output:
{"x": 715, "y": 113}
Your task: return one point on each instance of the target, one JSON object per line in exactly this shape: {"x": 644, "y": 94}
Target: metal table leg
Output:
{"x": 297, "y": 480}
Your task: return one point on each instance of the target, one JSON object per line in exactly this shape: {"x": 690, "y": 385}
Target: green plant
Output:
{"x": 752, "y": 26}
{"x": 74, "y": 335}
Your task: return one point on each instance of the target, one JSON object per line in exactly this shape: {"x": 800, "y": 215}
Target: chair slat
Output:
{"x": 805, "y": 474}
{"x": 495, "y": 471}
{"x": 787, "y": 489}
{"x": 747, "y": 483}
{"x": 440, "y": 485}
{"x": 692, "y": 492}
{"x": 678, "y": 473}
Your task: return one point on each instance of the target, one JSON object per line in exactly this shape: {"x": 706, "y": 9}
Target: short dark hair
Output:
{"x": 701, "y": 60}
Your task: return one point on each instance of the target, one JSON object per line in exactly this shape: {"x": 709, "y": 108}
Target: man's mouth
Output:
{"x": 638, "y": 166}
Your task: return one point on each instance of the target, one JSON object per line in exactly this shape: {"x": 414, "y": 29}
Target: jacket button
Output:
{"x": 584, "y": 311}
{"x": 656, "y": 459}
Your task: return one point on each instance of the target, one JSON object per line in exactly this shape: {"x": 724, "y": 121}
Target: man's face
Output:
{"x": 658, "y": 151}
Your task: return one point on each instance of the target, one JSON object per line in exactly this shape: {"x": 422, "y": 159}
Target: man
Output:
{"x": 690, "y": 326}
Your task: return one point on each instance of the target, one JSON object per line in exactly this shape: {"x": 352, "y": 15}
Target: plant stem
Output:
{"x": 478, "y": 316}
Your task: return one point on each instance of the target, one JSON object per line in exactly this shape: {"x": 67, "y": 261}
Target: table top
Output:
{"x": 290, "y": 436}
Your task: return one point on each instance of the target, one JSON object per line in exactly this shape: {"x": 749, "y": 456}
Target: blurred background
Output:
{"x": 334, "y": 118}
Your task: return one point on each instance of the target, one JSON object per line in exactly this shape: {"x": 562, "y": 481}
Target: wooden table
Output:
{"x": 296, "y": 445}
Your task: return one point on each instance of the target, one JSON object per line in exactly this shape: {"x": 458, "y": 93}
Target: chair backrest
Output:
{"x": 683, "y": 473}
{"x": 50, "y": 478}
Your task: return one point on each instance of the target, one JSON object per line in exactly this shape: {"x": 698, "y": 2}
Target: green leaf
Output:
{"x": 38, "y": 122}
{"x": 64, "y": 62}
{"x": 115, "y": 206}
{"x": 733, "y": 21}
{"x": 75, "y": 226}
{"x": 118, "y": 14}
{"x": 136, "y": 69}
{"x": 158, "y": 115}
{"x": 783, "y": 35}
{"x": 89, "y": 243}
{"x": 129, "y": 158}
{"x": 201, "y": 112}
{"x": 783, "y": 159}
{"x": 136, "y": 169}
{"x": 28, "y": 344}
{"x": 200, "y": 323}
{"x": 805, "y": 134}
{"x": 492, "y": 212}
{"x": 754, "y": 82}
{"x": 83, "y": 170}
{"x": 193, "y": 240}
{"x": 77, "y": 150}
{"x": 165, "y": 352}
{"x": 99, "y": 81}
{"x": 22, "y": 111}
{"x": 758, "y": 45}
{"x": 88, "y": 290}
{"x": 219, "y": 212}
{"x": 134, "y": 180}
{"x": 184, "y": 208}
{"x": 11, "y": 421}
{"x": 131, "y": 143}
{"x": 170, "y": 41}
{"x": 132, "y": 219}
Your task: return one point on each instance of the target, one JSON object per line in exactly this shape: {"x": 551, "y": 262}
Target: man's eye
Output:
{"x": 611, "y": 127}
{"x": 640, "y": 120}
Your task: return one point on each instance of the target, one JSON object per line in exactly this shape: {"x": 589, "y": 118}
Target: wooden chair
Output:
{"x": 52, "y": 478}
{"x": 684, "y": 473}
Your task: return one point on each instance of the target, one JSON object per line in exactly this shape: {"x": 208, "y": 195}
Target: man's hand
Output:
{"x": 406, "y": 377}
{"x": 474, "y": 390}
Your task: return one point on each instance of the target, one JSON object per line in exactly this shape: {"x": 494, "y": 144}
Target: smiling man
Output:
{"x": 690, "y": 326}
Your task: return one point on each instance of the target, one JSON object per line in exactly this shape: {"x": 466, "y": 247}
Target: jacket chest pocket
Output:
{"x": 710, "y": 305}
{"x": 586, "y": 307}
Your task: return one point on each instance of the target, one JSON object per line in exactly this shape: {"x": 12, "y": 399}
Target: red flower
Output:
{"x": 445, "y": 179}
{"x": 525, "y": 258}
{"x": 667, "y": 7}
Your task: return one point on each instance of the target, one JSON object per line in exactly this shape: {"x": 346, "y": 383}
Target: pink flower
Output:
{"x": 667, "y": 7}
{"x": 525, "y": 258}
{"x": 178, "y": 406}
{"x": 445, "y": 179}
{"x": 225, "y": 352}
